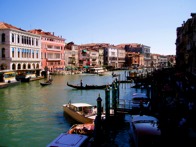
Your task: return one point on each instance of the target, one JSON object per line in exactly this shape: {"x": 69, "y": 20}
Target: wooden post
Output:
{"x": 97, "y": 130}
{"x": 117, "y": 91}
{"x": 113, "y": 94}
{"x": 115, "y": 100}
{"x": 107, "y": 103}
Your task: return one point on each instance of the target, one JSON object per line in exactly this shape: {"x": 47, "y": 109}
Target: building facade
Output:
{"x": 19, "y": 49}
{"x": 71, "y": 55}
{"x": 111, "y": 56}
{"x": 52, "y": 50}
{"x": 186, "y": 46}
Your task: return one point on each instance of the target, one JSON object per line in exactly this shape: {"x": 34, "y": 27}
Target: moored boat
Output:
{"x": 69, "y": 140}
{"x": 84, "y": 129}
{"x": 81, "y": 112}
{"x": 25, "y": 79}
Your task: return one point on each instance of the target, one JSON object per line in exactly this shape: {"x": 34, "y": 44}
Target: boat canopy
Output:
{"x": 68, "y": 140}
{"x": 81, "y": 105}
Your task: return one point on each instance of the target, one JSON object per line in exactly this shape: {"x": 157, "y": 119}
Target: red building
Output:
{"x": 52, "y": 50}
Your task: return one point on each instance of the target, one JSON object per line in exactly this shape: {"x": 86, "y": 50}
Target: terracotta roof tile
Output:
{"x": 9, "y": 26}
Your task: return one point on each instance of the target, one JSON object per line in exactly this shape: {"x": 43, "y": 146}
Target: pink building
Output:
{"x": 52, "y": 50}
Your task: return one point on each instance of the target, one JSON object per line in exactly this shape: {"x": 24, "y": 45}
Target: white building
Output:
{"x": 19, "y": 49}
{"x": 111, "y": 56}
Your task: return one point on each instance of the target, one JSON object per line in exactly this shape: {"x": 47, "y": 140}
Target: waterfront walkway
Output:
{"x": 5, "y": 85}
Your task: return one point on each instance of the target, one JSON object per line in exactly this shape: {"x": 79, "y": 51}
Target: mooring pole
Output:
{"x": 107, "y": 103}
{"x": 97, "y": 130}
{"x": 117, "y": 91}
{"x": 115, "y": 100}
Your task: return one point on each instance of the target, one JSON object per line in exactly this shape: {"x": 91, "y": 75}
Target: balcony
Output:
{"x": 53, "y": 59}
{"x": 121, "y": 61}
{"x": 53, "y": 49}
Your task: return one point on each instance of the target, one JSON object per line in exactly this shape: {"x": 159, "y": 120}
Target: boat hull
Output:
{"x": 87, "y": 87}
{"x": 76, "y": 116}
{"x": 45, "y": 84}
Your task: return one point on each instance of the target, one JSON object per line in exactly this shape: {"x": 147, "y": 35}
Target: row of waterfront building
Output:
{"x": 39, "y": 50}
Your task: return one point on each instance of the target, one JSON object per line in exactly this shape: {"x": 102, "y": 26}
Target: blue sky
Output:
{"x": 149, "y": 22}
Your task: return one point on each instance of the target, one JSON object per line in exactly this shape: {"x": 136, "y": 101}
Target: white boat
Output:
{"x": 69, "y": 140}
{"x": 139, "y": 99}
{"x": 145, "y": 131}
{"x": 106, "y": 73}
{"x": 81, "y": 112}
{"x": 97, "y": 70}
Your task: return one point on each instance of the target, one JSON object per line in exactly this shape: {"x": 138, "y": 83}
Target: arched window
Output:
{"x": 19, "y": 66}
{"x": 37, "y": 66}
{"x": 29, "y": 66}
{"x": 13, "y": 66}
{"x": 33, "y": 66}
{"x": 3, "y": 66}
{"x": 3, "y": 37}
{"x": 24, "y": 66}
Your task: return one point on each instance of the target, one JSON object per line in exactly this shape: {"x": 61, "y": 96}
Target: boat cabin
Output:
{"x": 7, "y": 76}
{"x": 96, "y": 70}
{"x": 82, "y": 108}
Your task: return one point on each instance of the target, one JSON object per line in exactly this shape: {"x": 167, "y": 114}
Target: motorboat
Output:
{"x": 139, "y": 101}
{"x": 81, "y": 112}
{"x": 145, "y": 131}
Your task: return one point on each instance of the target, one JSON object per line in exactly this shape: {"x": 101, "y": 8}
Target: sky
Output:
{"x": 148, "y": 22}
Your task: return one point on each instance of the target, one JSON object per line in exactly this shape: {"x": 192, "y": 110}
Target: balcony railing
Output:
{"x": 53, "y": 59}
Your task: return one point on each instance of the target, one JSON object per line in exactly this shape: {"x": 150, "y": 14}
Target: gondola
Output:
{"x": 115, "y": 75}
{"x": 49, "y": 82}
{"x": 86, "y": 87}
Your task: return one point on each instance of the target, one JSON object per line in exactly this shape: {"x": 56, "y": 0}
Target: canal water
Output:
{"x": 32, "y": 115}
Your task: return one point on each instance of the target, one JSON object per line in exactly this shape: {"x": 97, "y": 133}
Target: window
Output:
{"x": 3, "y": 52}
{"x": 29, "y": 66}
{"x": 18, "y": 39}
{"x": 37, "y": 53}
{"x": 3, "y": 37}
{"x": 12, "y": 52}
{"x": 32, "y": 53}
{"x": 12, "y": 37}
{"x": 32, "y": 41}
{"x": 113, "y": 53}
{"x": 18, "y": 52}
{"x": 22, "y": 53}
{"x": 22, "y": 39}
{"x": 36, "y": 42}
{"x": 28, "y": 53}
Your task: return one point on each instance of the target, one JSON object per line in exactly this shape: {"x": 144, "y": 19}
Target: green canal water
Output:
{"x": 32, "y": 115}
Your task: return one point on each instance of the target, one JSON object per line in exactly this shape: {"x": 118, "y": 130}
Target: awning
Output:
{"x": 85, "y": 66}
{"x": 68, "y": 67}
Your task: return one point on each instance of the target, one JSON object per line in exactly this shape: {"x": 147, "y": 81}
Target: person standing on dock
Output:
{"x": 81, "y": 84}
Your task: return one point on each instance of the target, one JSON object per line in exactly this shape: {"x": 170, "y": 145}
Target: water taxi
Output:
{"x": 81, "y": 112}
{"x": 96, "y": 70}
